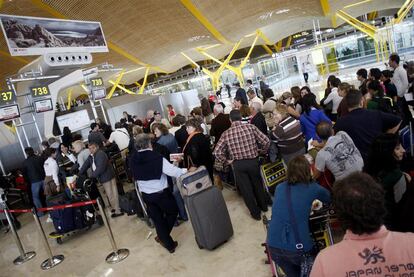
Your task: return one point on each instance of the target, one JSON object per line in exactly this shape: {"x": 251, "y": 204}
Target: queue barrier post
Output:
{"x": 24, "y": 256}
{"x": 52, "y": 261}
{"x": 117, "y": 255}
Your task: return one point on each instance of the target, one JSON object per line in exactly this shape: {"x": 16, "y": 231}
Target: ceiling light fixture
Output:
{"x": 198, "y": 38}
{"x": 282, "y": 11}
{"x": 268, "y": 15}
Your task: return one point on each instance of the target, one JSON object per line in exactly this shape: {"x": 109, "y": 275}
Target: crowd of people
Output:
{"x": 350, "y": 139}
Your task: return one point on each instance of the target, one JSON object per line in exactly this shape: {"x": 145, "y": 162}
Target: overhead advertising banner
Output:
{"x": 27, "y": 36}
{"x": 9, "y": 112}
{"x": 43, "y": 105}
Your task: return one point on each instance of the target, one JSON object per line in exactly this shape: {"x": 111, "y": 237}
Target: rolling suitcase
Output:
{"x": 209, "y": 217}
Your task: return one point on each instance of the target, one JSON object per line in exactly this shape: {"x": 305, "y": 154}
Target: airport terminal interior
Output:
{"x": 207, "y": 138}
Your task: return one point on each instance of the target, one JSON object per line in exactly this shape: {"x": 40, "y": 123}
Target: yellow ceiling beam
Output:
{"x": 203, "y": 20}
{"x": 362, "y": 26}
{"x": 191, "y": 60}
{"x": 144, "y": 83}
{"x": 19, "y": 59}
{"x": 210, "y": 47}
{"x": 112, "y": 46}
{"x": 85, "y": 88}
{"x": 372, "y": 15}
{"x": 267, "y": 49}
{"x": 333, "y": 21}
{"x": 69, "y": 99}
{"x": 325, "y": 7}
{"x": 122, "y": 87}
{"x": 403, "y": 11}
{"x": 263, "y": 37}
{"x": 244, "y": 61}
{"x": 117, "y": 81}
{"x": 289, "y": 42}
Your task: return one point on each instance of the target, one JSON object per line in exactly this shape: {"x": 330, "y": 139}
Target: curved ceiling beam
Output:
{"x": 325, "y": 7}
{"x": 111, "y": 45}
{"x": 203, "y": 20}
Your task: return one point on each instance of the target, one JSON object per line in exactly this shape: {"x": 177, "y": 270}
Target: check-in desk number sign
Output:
{"x": 8, "y": 108}
{"x": 41, "y": 99}
{"x": 98, "y": 89}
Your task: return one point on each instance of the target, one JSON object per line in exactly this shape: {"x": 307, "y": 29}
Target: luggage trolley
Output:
{"x": 273, "y": 174}
{"x": 70, "y": 221}
{"x": 320, "y": 226}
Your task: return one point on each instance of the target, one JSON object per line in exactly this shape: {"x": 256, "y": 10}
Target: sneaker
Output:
{"x": 116, "y": 215}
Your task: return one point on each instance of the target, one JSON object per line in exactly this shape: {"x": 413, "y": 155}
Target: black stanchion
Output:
{"x": 52, "y": 261}
{"x": 118, "y": 254}
{"x": 24, "y": 256}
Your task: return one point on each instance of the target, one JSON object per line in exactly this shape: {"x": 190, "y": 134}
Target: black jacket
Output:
{"x": 219, "y": 124}
{"x": 242, "y": 94}
{"x": 198, "y": 152}
{"x": 181, "y": 136}
{"x": 33, "y": 169}
{"x": 259, "y": 121}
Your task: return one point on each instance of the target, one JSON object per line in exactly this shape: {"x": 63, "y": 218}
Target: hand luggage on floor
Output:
{"x": 209, "y": 217}
{"x": 194, "y": 182}
{"x": 129, "y": 203}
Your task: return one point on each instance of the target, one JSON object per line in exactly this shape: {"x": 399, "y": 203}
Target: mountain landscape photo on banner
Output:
{"x": 29, "y": 32}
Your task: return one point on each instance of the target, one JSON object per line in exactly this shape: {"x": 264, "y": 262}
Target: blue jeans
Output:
{"x": 36, "y": 188}
{"x": 180, "y": 203}
{"x": 289, "y": 261}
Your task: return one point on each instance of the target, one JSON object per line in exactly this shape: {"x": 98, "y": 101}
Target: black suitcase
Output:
{"x": 129, "y": 204}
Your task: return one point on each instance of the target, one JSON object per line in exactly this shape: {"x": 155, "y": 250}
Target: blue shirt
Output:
{"x": 309, "y": 122}
{"x": 281, "y": 234}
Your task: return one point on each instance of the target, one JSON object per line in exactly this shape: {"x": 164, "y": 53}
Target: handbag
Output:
{"x": 194, "y": 182}
{"x": 307, "y": 258}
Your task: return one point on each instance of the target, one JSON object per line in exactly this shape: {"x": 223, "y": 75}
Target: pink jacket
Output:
{"x": 383, "y": 253}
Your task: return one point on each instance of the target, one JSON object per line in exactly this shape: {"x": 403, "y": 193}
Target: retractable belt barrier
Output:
{"x": 115, "y": 256}
{"x": 58, "y": 207}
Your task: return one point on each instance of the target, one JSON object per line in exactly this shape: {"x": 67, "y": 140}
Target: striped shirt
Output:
{"x": 240, "y": 142}
{"x": 289, "y": 136}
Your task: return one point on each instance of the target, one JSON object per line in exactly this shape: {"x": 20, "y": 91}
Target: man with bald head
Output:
{"x": 338, "y": 153}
